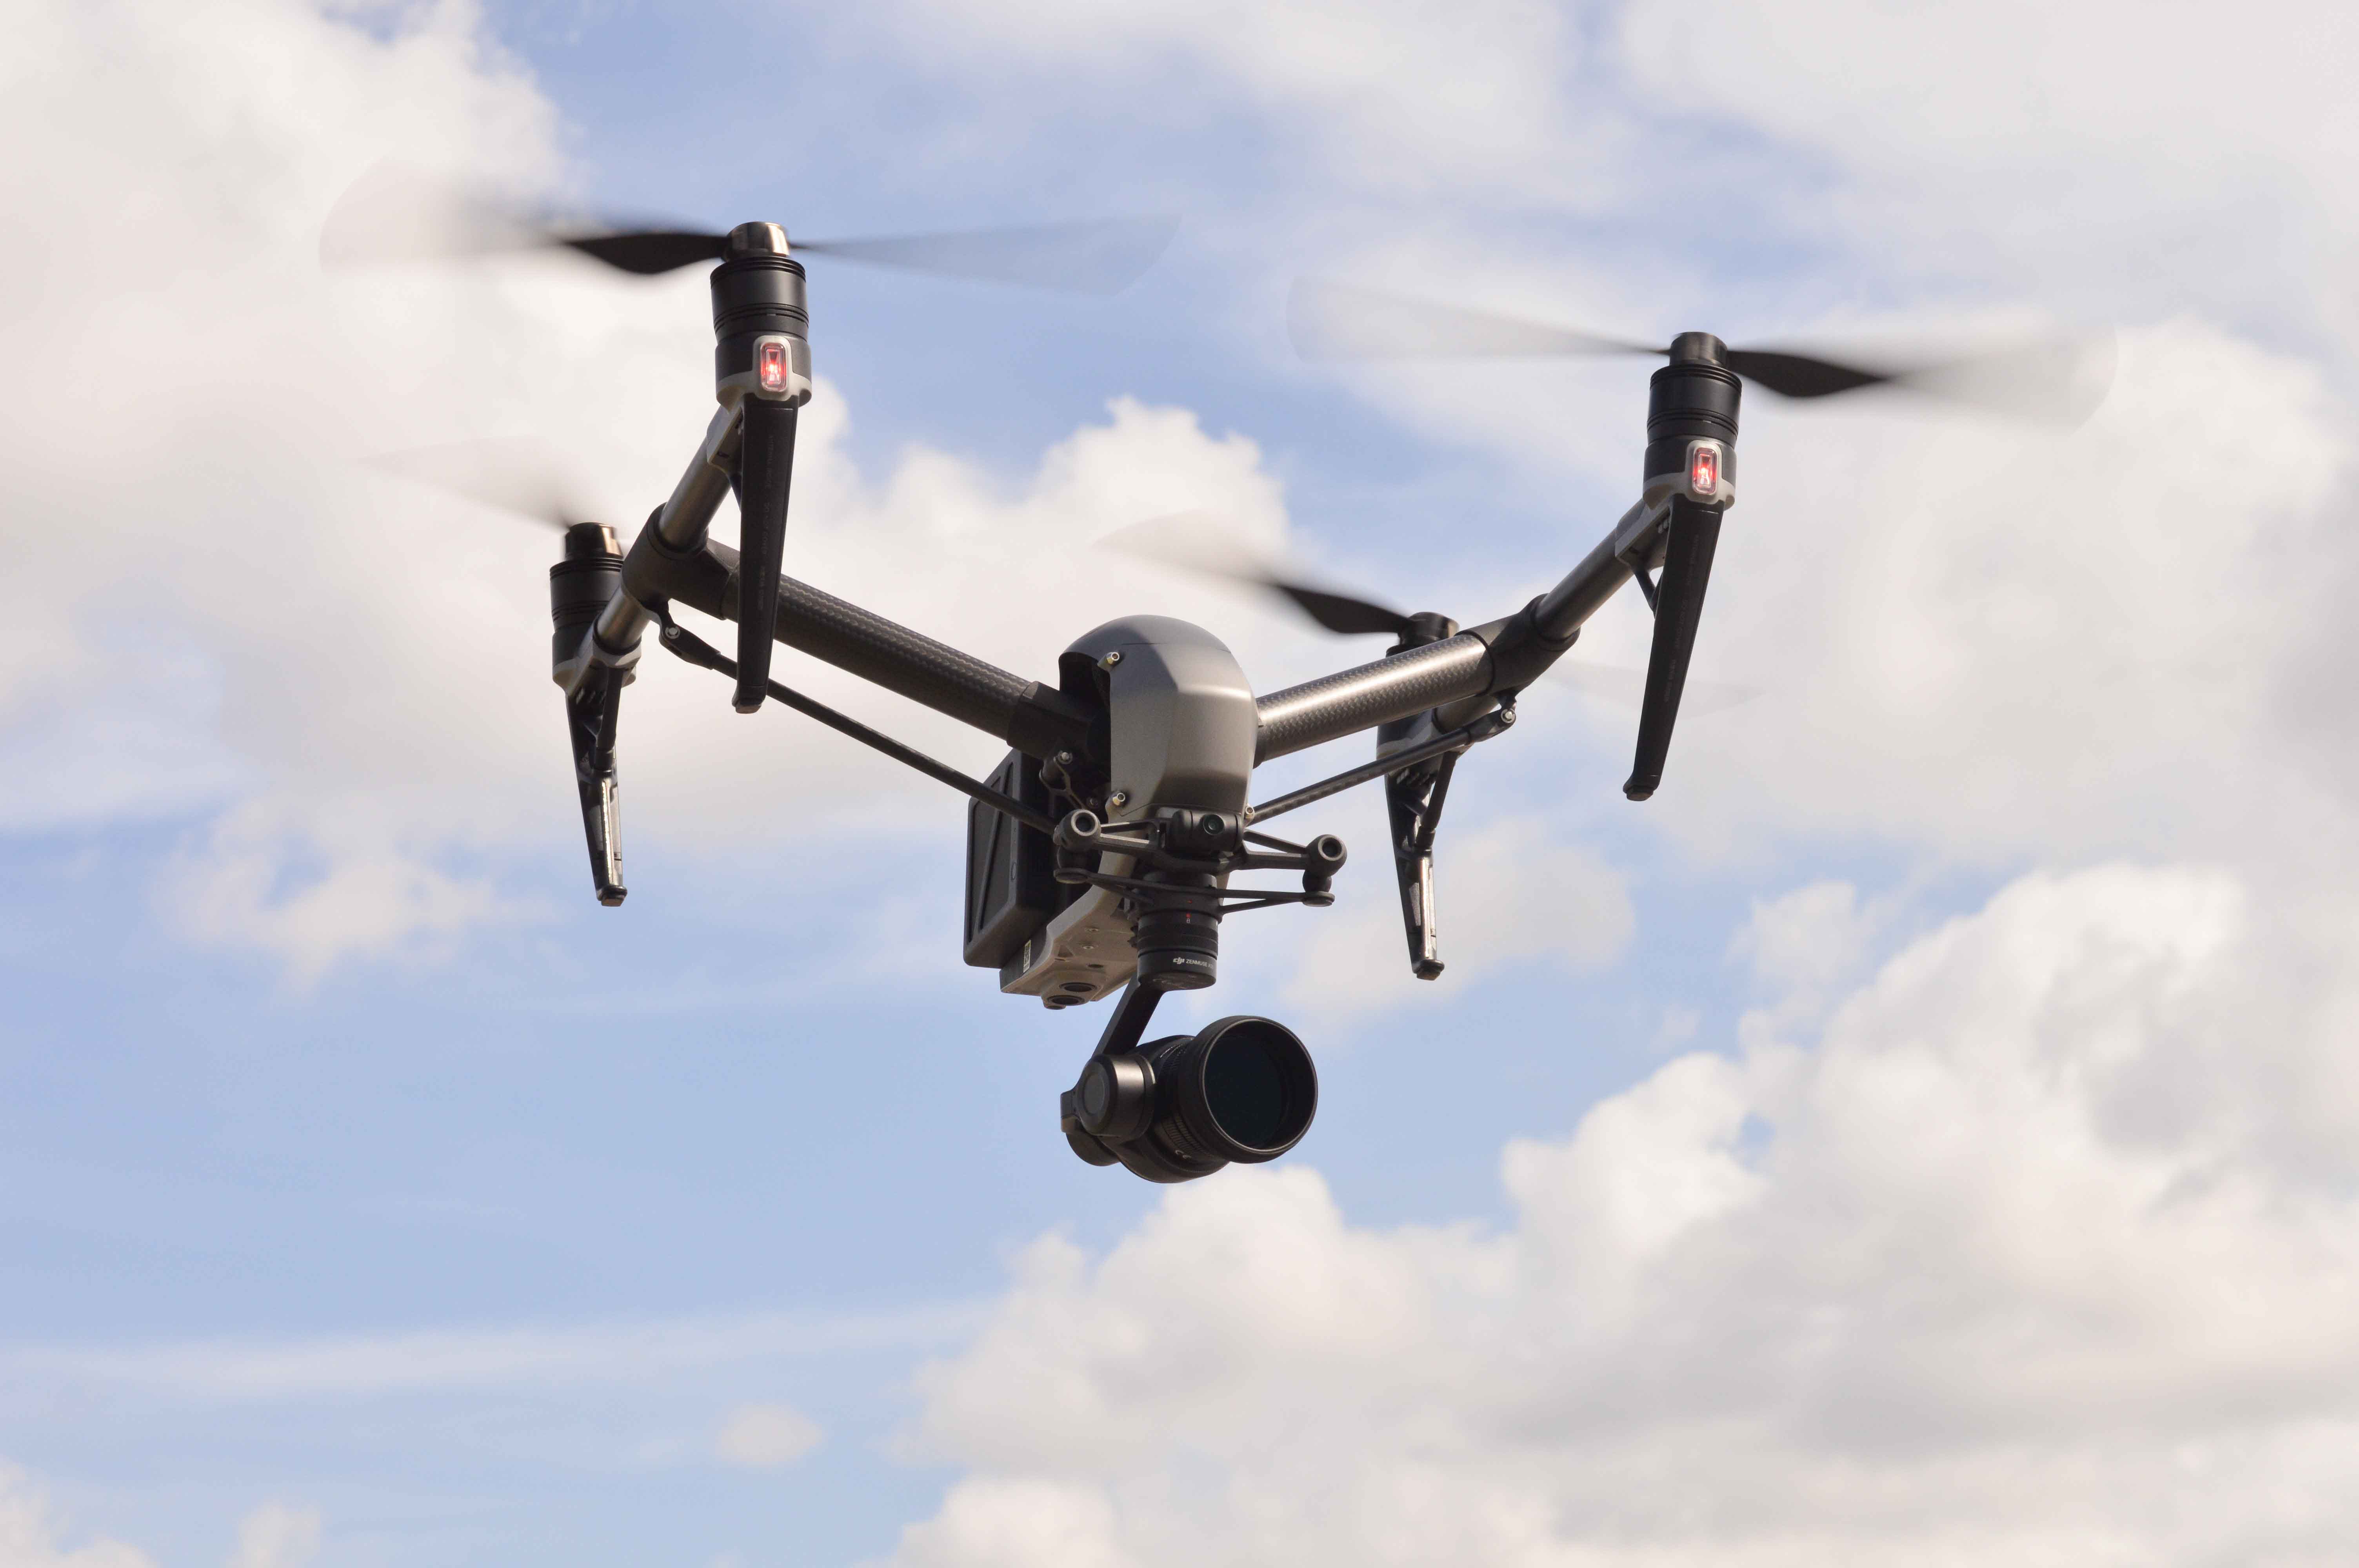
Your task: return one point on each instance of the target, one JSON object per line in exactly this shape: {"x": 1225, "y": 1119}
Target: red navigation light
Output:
{"x": 1703, "y": 471}
{"x": 774, "y": 367}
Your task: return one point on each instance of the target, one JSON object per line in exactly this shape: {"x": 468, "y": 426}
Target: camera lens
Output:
{"x": 1259, "y": 1085}
{"x": 1178, "y": 935}
{"x": 1245, "y": 1089}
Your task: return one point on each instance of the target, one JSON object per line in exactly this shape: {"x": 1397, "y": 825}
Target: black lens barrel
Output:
{"x": 1178, "y": 935}
{"x": 1242, "y": 1092}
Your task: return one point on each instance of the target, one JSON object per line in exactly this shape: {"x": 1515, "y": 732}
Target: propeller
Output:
{"x": 2061, "y": 377}
{"x": 392, "y": 214}
{"x": 1195, "y": 542}
{"x": 521, "y": 477}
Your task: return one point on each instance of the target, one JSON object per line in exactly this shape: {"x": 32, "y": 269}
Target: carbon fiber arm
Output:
{"x": 1506, "y": 655}
{"x": 1036, "y": 719}
{"x": 1352, "y": 701}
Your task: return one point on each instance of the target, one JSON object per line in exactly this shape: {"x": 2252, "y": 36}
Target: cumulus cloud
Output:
{"x": 1391, "y": 92}
{"x": 765, "y": 1436}
{"x": 2158, "y": 152}
{"x": 277, "y": 1536}
{"x": 1997, "y": 1265}
{"x": 337, "y": 676}
{"x": 2033, "y": 1245}
{"x": 1801, "y": 945}
{"x": 1510, "y": 890}
{"x": 31, "y": 1533}
{"x": 1984, "y": 640}
{"x": 273, "y": 1535}
{"x": 1019, "y": 1524}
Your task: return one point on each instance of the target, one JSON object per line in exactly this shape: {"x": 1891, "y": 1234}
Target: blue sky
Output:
{"x": 368, "y": 1194}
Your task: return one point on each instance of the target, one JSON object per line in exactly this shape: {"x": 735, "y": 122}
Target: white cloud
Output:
{"x": 277, "y": 1536}
{"x": 2036, "y": 1248}
{"x": 1392, "y": 92}
{"x": 765, "y": 1436}
{"x": 536, "y": 1355}
{"x": 1810, "y": 936}
{"x": 30, "y": 1533}
{"x": 2052, "y": 139}
{"x": 1802, "y": 945}
{"x": 359, "y": 896}
{"x": 1018, "y": 1524}
{"x": 2026, "y": 1256}
{"x": 1985, "y": 641}
{"x": 1981, "y": 641}
{"x": 273, "y": 1535}
{"x": 1993, "y": 642}
{"x": 339, "y": 675}
{"x": 1508, "y": 892}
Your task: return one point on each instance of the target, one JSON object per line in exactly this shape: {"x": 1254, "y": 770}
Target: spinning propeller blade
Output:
{"x": 1340, "y": 612}
{"x": 1345, "y": 321}
{"x": 520, "y": 477}
{"x": 394, "y": 214}
{"x": 1194, "y": 541}
{"x": 646, "y": 252}
{"x": 2059, "y": 378}
{"x": 1103, "y": 255}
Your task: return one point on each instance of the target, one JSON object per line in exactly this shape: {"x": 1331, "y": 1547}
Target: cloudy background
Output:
{"x": 1926, "y": 1132}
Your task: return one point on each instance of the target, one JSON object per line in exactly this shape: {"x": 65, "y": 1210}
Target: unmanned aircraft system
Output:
{"x": 1107, "y": 850}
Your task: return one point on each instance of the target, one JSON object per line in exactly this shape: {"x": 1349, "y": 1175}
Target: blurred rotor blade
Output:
{"x": 2061, "y": 379}
{"x": 1344, "y": 320}
{"x": 2058, "y": 378}
{"x": 1800, "y": 375}
{"x": 1340, "y": 612}
{"x": 646, "y": 252}
{"x": 520, "y": 477}
{"x": 1194, "y": 541}
{"x": 1103, "y": 255}
{"x": 394, "y": 213}
{"x": 1627, "y": 688}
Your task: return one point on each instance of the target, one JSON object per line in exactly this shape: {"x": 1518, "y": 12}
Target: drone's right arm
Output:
{"x": 1471, "y": 670}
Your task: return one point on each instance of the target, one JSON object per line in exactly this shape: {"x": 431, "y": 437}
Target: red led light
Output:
{"x": 774, "y": 368}
{"x": 1703, "y": 471}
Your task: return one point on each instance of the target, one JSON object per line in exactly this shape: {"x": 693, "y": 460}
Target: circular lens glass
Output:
{"x": 1248, "y": 1087}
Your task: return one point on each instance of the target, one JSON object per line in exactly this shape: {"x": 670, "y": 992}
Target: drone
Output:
{"x": 1106, "y": 850}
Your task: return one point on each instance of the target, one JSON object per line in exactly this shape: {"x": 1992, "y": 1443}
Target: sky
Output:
{"x": 1927, "y": 1130}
